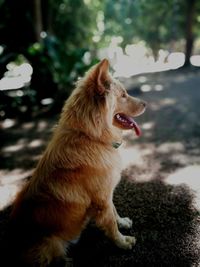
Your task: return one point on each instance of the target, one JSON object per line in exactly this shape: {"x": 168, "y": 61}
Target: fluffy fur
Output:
{"x": 75, "y": 179}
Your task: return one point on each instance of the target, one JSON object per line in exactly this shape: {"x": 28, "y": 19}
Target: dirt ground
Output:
{"x": 160, "y": 189}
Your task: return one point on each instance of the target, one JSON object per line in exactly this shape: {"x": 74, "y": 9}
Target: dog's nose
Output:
{"x": 144, "y": 104}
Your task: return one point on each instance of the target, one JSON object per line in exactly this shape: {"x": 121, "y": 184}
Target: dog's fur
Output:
{"x": 75, "y": 179}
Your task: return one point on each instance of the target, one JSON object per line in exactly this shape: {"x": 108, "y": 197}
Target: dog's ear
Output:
{"x": 98, "y": 79}
{"x": 103, "y": 83}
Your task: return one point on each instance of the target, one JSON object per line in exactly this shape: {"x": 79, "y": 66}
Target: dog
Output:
{"x": 74, "y": 181}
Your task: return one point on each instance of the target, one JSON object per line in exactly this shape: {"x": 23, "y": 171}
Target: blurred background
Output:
{"x": 153, "y": 47}
{"x": 45, "y": 45}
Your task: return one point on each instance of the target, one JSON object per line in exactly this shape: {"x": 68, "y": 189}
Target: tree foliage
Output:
{"x": 60, "y": 38}
{"x": 156, "y": 22}
{"x": 53, "y": 36}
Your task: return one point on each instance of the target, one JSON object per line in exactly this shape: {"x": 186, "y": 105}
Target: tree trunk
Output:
{"x": 50, "y": 17}
{"x": 190, "y": 18}
{"x": 38, "y": 20}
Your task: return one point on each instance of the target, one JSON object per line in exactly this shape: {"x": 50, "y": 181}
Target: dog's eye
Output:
{"x": 123, "y": 94}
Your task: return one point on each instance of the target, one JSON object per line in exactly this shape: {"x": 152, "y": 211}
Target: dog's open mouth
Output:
{"x": 127, "y": 122}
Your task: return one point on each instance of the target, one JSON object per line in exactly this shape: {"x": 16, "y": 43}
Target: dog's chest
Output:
{"x": 115, "y": 168}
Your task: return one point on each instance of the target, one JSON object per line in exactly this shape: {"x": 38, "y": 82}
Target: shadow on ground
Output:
{"x": 23, "y": 142}
{"x": 165, "y": 223}
{"x": 21, "y": 146}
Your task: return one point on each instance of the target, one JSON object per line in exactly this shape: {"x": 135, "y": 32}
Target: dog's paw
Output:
{"x": 126, "y": 242}
{"x": 125, "y": 223}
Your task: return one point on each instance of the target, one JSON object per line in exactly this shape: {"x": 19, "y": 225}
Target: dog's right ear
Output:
{"x": 100, "y": 77}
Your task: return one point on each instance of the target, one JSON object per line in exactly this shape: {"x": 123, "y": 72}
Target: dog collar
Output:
{"x": 116, "y": 144}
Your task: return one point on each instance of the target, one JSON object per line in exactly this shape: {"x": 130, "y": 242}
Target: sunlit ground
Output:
{"x": 168, "y": 162}
{"x": 11, "y": 182}
{"x": 189, "y": 175}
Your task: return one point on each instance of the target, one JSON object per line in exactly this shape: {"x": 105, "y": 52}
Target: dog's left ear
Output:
{"x": 102, "y": 77}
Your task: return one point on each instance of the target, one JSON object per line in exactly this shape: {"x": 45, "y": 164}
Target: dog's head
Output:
{"x": 121, "y": 107}
{"x": 100, "y": 104}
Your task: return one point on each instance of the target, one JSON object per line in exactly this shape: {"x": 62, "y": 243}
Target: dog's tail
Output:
{"x": 49, "y": 252}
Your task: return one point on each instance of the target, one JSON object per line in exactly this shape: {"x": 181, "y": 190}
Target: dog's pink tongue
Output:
{"x": 136, "y": 127}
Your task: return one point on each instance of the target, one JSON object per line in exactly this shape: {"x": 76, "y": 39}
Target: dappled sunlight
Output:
{"x": 170, "y": 126}
{"x": 27, "y": 125}
{"x": 167, "y": 102}
{"x": 134, "y": 154}
{"x": 148, "y": 159}
{"x": 17, "y": 163}
{"x": 148, "y": 125}
{"x": 36, "y": 143}
{"x": 175, "y": 60}
{"x": 13, "y": 148}
{"x": 7, "y": 123}
{"x": 42, "y": 125}
{"x": 10, "y": 184}
{"x": 146, "y": 87}
{"x": 195, "y": 60}
{"x": 168, "y": 147}
{"x": 7, "y": 194}
{"x": 136, "y": 160}
{"x": 16, "y": 76}
{"x": 177, "y": 152}
{"x": 180, "y": 78}
{"x": 130, "y": 155}
{"x": 47, "y": 101}
{"x": 189, "y": 175}
{"x": 159, "y": 87}
{"x": 181, "y": 158}
{"x": 162, "y": 103}
{"x": 137, "y": 58}
{"x": 9, "y": 177}
{"x": 142, "y": 79}
{"x": 23, "y": 145}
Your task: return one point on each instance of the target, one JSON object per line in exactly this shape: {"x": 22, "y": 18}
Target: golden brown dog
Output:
{"x": 75, "y": 179}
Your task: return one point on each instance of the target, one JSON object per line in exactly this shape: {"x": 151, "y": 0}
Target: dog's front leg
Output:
{"x": 105, "y": 219}
{"x": 122, "y": 222}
